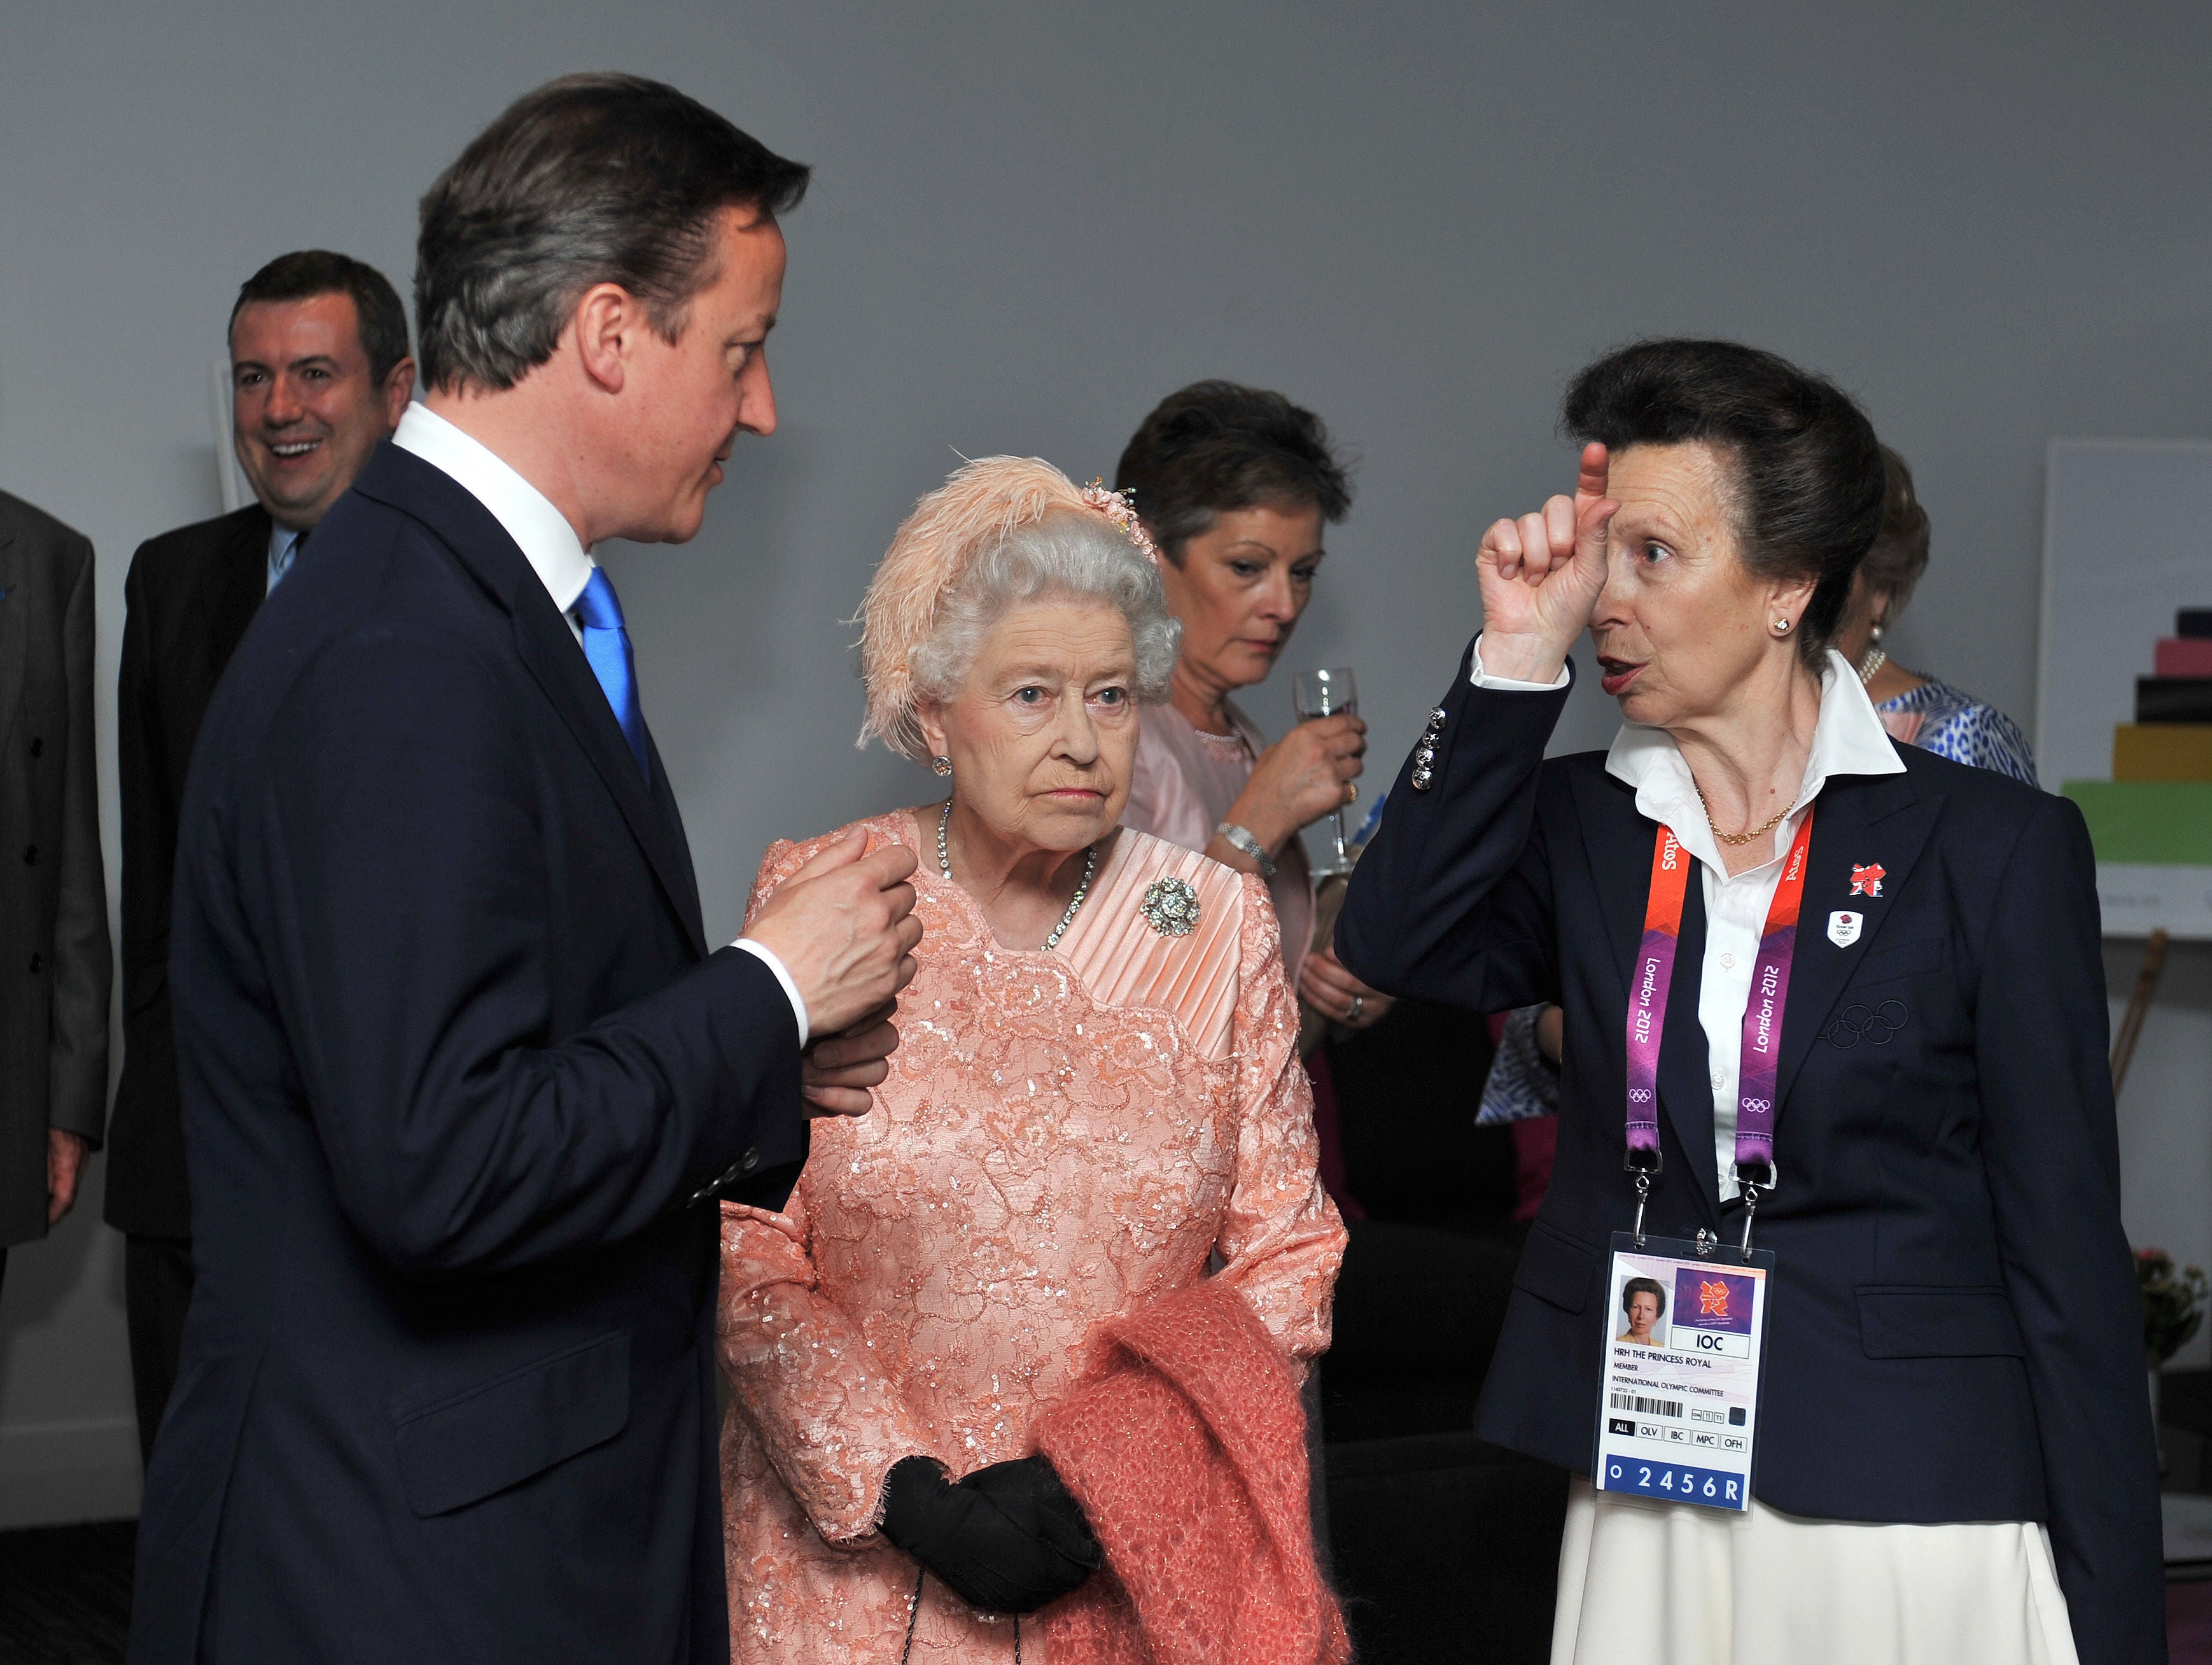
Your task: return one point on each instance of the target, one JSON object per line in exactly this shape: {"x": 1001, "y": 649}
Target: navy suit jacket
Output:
{"x": 1955, "y": 1332}
{"x": 457, "y": 1068}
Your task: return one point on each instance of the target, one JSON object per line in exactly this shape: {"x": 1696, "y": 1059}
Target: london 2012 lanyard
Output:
{"x": 1762, "y": 1019}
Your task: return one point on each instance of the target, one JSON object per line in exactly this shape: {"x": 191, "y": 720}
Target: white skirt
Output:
{"x": 1642, "y": 1583}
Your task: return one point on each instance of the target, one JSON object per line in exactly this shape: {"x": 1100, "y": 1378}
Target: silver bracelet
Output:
{"x": 1241, "y": 840}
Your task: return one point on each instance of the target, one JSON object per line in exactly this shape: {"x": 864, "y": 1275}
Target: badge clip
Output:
{"x": 1642, "y": 1164}
{"x": 1751, "y": 1189}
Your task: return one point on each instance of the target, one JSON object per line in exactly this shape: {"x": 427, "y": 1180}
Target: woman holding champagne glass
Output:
{"x": 1234, "y": 485}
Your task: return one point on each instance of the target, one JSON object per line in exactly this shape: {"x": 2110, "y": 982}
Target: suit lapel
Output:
{"x": 671, "y": 818}
{"x": 14, "y": 628}
{"x": 1862, "y": 822}
{"x": 235, "y": 591}
{"x": 549, "y": 652}
{"x": 1618, "y": 843}
{"x": 552, "y": 657}
{"x": 1686, "y": 1090}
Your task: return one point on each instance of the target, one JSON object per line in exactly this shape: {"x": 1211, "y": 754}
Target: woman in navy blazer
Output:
{"x": 1954, "y": 1345}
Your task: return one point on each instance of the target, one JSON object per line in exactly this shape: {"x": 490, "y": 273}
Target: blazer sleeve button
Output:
{"x": 38, "y": 964}
{"x": 38, "y": 746}
{"x": 30, "y": 855}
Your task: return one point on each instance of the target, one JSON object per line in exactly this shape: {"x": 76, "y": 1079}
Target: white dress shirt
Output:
{"x": 1847, "y": 739}
{"x": 556, "y": 554}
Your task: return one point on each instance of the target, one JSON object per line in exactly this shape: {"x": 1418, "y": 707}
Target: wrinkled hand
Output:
{"x": 837, "y": 1070}
{"x": 1007, "y": 1539}
{"x": 1301, "y": 778}
{"x": 1329, "y": 989}
{"x": 843, "y": 926}
{"x": 65, "y": 1153}
{"x": 1541, "y": 575}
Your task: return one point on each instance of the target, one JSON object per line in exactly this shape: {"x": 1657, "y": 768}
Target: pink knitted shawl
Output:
{"x": 1187, "y": 1450}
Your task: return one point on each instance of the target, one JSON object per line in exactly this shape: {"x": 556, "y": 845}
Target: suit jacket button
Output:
{"x": 30, "y": 855}
{"x": 748, "y": 1161}
{"x": 37, "y": 746}
{"x": 38, "y": 964}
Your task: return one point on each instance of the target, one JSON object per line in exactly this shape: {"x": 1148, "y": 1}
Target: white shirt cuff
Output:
{"x": 767, "y": 957}
{"x": 1475, "y": 675}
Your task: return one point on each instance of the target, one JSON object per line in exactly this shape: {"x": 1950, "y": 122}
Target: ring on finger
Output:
{"x": 1358, "y": 1004}
{"x": 1351, "y": 792}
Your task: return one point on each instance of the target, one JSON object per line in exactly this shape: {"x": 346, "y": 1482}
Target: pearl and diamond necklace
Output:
{"x": 1090, "y": 868}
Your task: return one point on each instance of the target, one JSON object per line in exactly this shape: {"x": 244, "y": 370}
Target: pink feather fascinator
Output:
{"x": 974, "y": 511}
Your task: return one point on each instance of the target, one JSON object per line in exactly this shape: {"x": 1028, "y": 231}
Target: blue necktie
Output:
{"x": 280, "y": 569}
{"x": 606, "y": 645}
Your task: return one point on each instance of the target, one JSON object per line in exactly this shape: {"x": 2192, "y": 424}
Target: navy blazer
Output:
{"x": 1956, "y": 1332}
{"x": 457, "y": 1067}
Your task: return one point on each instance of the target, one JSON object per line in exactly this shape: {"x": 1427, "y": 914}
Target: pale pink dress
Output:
{"x": 1063, "y": 1137}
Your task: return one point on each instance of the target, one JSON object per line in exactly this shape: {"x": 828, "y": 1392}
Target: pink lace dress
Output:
{"x": 1063, "y": 1136}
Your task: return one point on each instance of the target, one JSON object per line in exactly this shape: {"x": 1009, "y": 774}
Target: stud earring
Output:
{"x": 1781, "y": 627}
{"x": 1877, "y": 630}
{"x": 942, "y": 766}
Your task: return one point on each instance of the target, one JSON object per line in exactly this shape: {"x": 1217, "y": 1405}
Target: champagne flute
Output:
{"x": 1327, "y": 693}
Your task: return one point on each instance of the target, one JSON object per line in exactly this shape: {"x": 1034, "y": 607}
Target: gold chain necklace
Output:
{"x": 1733, "y": 838}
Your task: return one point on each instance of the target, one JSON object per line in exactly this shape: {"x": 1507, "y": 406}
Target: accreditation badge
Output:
{"x": 1678, "y": 1398}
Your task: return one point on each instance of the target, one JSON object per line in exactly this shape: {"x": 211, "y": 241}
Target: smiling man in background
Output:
{"x": 320, "y": 372}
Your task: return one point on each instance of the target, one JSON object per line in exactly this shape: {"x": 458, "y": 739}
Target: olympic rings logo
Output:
{"x": 1639, "y": 1095}
{"x": 1756, "y": 1106}
{"x": 1855, "y": 1023}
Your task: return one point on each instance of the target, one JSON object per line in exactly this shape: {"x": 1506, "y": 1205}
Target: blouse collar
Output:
{"x": 1848, "y": 739}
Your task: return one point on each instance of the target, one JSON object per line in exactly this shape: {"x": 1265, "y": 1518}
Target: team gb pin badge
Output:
{"x": 1867, "y": 881}
{"x": 1844, "y": 928}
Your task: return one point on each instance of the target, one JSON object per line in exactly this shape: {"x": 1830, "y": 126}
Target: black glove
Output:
{"x": 1007, "y": 1539}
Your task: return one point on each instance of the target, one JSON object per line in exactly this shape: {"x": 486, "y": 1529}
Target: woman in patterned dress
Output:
{"x": 1918, "y": 710}
{"x": 1096, "y": 1097}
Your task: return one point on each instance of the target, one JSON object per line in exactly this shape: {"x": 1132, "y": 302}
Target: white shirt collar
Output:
{"x": 548, "y": 542}
{"x": 1848, "y": 739}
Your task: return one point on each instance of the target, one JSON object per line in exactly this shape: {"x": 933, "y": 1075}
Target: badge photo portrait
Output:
{"x": 1642, "y": 1303}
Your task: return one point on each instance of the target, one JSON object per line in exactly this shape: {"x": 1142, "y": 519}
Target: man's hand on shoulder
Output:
{"x": 843, "y": 926}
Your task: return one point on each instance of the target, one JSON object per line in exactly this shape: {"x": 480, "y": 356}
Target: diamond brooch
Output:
{"x": 1170, "y": 907}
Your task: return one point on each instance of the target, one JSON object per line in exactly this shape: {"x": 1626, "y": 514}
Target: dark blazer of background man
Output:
{"x": 320, "y": 372}
{"x": 54, "y": 961}
{"x": 461, "y": 1076}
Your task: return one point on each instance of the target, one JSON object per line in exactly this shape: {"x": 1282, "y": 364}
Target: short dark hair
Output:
{"x": 1808, "y": 473}
{"x": 378, "y": 315}
{"x": 1215, "y": 447}
{"x": 1636, "y": 1287}
{"x": 1900, "y": 553}
{"x": 592, "y": 178}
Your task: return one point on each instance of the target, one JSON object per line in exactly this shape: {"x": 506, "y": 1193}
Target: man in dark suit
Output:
{"x": 320, "y": 372}
{"x": 462, "y": 1078}
{"x": 53, "y": 898}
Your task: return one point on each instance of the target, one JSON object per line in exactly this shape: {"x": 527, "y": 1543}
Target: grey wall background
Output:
{"x": 1030, "y": 222}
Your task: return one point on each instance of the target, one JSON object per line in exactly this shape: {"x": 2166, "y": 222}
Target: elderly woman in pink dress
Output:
{"x": 1095, "y": 1102}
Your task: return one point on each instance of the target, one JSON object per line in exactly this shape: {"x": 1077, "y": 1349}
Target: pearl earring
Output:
{"x": 1877, "y": 630}
{"x": 942, "y": 766}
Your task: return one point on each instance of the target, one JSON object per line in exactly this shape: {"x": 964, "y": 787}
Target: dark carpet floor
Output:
{"x": 65, "y": 1594}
